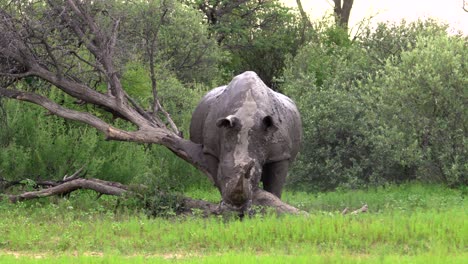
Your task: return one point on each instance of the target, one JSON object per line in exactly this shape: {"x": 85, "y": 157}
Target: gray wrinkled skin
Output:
{"x": 249, "y": 134}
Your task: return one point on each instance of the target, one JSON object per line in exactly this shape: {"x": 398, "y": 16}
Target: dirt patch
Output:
{"x": 41, "y": 255}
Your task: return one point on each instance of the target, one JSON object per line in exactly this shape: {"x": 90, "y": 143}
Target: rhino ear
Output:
{"x": 268, "y": 122}
{"x": 229, "y": 121}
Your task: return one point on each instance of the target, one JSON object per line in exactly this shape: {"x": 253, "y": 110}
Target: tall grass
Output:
{"x": 396, "y": 233}
{"x": 428, "y": 227}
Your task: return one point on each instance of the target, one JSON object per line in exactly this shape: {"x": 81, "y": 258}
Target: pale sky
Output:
{"x": 449, "y": 11}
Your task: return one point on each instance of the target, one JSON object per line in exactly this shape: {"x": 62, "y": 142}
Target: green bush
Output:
{"x": 322, "y": 80}
{"x": 391, "y": 39}
{"x": 37, "y": 146}
{"x": 424, "y": 98}
{"x": 374, "y": 114}
{"x": 173, "y": 34}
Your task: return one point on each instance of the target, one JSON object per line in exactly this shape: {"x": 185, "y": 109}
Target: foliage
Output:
{"x": 388, "y": 106}
{"x": 256, "y": 35}
{"x": 390, "y": 40}
{"x": 47, "y": 147}
{"x": 320, "y": 80}
{"x": 424, "y": 98}
{"x": 364, "y": 120}
{"x": 37, "y": 146}
{"x": 262, "y": 44}
{"x": 169, "y": 32}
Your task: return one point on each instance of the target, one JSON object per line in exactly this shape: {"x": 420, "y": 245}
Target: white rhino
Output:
{"x": 249, "y": 134}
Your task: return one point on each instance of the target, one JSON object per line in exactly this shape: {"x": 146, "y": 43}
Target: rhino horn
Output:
{"x": 248, "y": 171}
{"x": 240, "y": 185}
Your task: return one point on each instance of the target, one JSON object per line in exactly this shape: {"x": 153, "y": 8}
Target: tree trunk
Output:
{"x": 71, "y": 184}
{"x": 342, "y": 12}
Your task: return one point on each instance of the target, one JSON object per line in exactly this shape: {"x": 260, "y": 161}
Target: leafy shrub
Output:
{"x": 336, "y": 120}
{"x": 48, "y": 147}
{"x": 424, "y": 99}
{"x": 391, "y": 39}
{"x": 373, "y": 116}
{"x": 180, "y": 40}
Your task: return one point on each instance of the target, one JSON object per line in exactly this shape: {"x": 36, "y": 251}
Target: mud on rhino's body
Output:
{"x": 249, "y": 133}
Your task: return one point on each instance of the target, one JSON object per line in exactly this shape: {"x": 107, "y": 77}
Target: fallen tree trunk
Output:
{"x": 73, "y": 183}
{"x": 99, "y": 186}
{"x": 264, "y": 198}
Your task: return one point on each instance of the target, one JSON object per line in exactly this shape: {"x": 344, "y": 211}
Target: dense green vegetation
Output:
{"x": 388, "y": 106}
{"x": 385, "y": 124}
{"x": 410, "y": 223}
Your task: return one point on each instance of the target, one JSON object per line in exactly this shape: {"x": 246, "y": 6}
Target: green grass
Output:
{"x": 406, "y": 224}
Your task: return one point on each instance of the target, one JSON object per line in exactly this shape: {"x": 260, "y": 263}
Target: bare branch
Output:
{"x": 111, "y": 132}
{"x": 363, "y": 209}
{"x": 75, "y": 175}
{"x": 93, "y": 65}
{"x": 113, "y": 39}
{"x": 17, "y": 75}
{"x": 96, "y": 43}
{"x": 168, "y": 118}
{"x": 68, "y": 187}
{"x": 151, "y": 38}
{"x": 55, "y": 108}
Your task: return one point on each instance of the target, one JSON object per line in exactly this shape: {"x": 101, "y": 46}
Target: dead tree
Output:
{"x": 75, "y": 46}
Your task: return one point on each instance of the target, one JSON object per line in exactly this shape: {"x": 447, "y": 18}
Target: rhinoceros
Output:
{"x": 249, "y": 133}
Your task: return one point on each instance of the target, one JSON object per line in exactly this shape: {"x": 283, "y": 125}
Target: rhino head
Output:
{"x": 244, "y": 137}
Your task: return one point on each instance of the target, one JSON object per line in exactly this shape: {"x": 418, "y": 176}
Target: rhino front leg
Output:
{"x": 274, "y": 176}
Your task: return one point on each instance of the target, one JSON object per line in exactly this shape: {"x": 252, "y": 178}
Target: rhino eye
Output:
{"x": 268, "y": 122}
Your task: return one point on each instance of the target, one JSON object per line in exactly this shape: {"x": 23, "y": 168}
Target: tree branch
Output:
{"x": 261, "y": 198}
{"x": 97, "y": 44}
{"x": 342, "y": 12}
{"x": 305, "y": 19}
{"x": 55, "y": 108}
{"x": 70, "y": 186}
